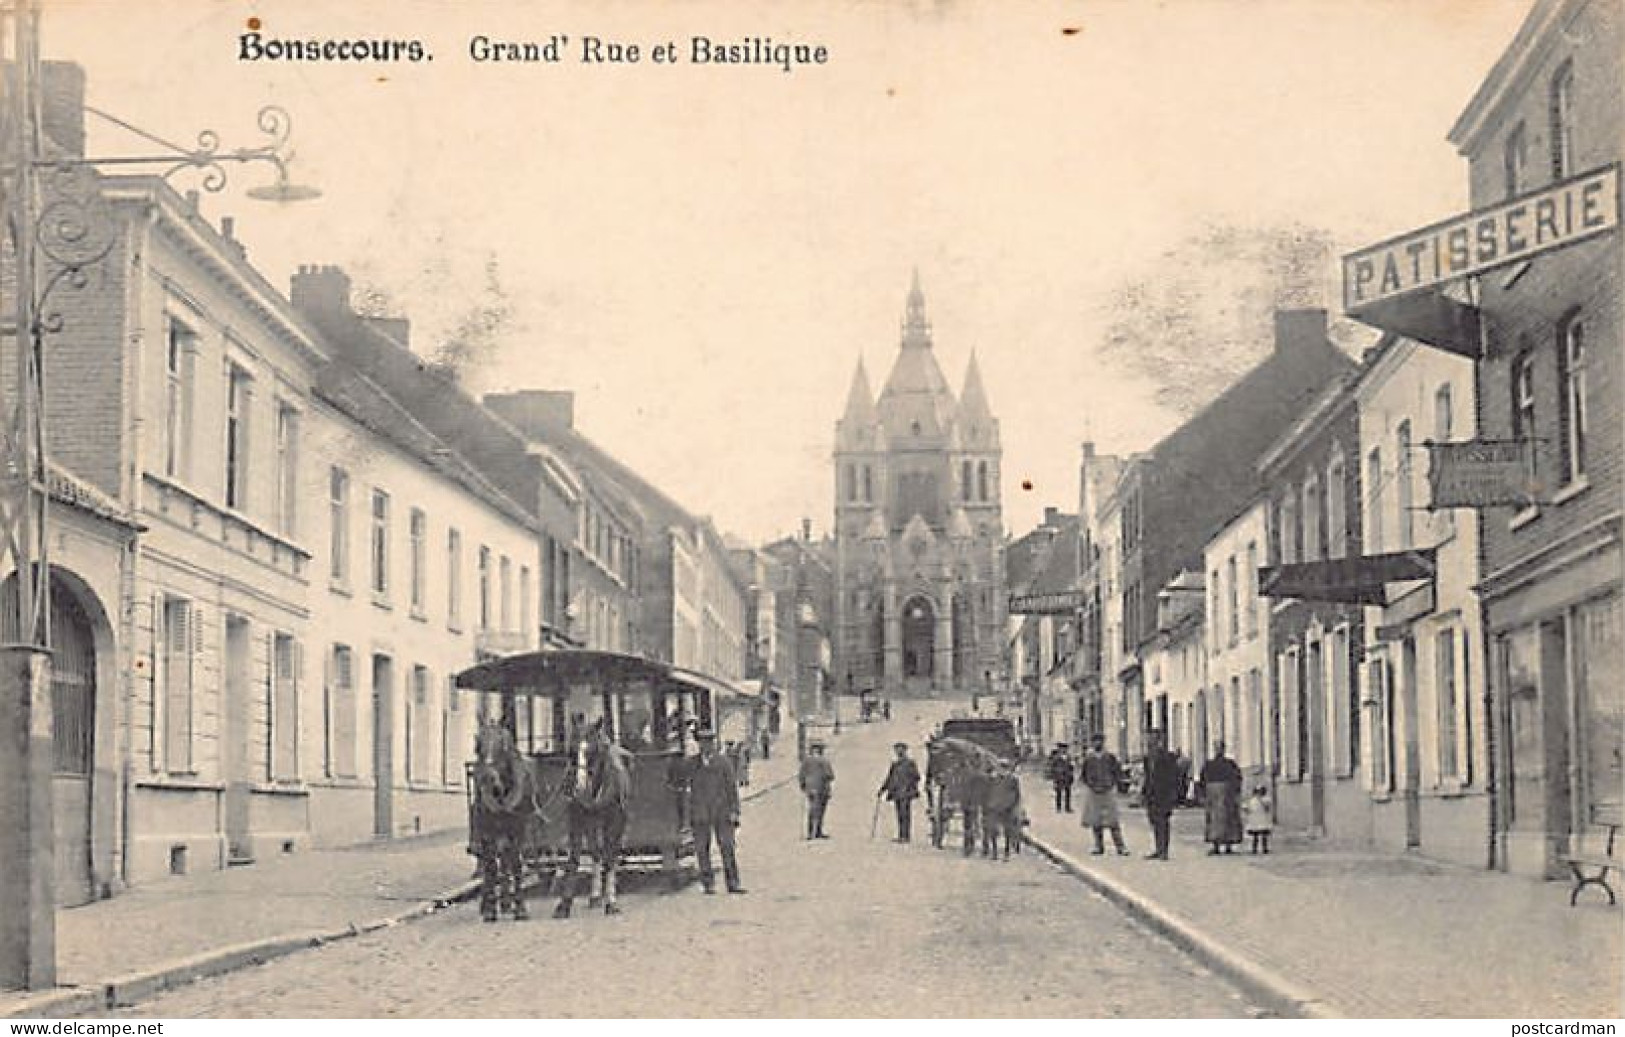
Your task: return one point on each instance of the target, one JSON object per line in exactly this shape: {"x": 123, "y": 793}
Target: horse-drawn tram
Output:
{"x": 580, "y": 752}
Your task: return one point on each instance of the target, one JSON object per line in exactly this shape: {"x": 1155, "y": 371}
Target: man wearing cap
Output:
{"x": 902, "y": 787}
{"x": 817, "y": 780}
{"x": 1058, "y": 769}
{"x": 713, "y": 810}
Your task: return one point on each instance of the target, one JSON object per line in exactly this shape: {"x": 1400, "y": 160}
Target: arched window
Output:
{"x": 1311, "y": 518}
{"x": 851, "y": 482}
{"x": 1336, "y": 506}
{"x": 966, "y": 483}
{"x": 868, "y": 485}
{"x": 981, "y": 481}
{"x": 1562, "y": 120}
{"x": 1402, "y": 476}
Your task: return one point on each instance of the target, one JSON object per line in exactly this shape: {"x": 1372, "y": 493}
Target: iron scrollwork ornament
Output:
{"x": 74, "y": 230}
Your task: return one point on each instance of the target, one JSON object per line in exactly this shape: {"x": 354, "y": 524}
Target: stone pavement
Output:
{"x": 1370, "y": 935}
{"x": 172, "y": 920}
{"x": 855, "y": 926}
{"x": 154, "y": 927}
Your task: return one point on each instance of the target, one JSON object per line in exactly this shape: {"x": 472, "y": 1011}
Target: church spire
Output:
{"x": 860, "y": 406}
{"x": 976, "y": 421}
{"x": 916, "y": 327}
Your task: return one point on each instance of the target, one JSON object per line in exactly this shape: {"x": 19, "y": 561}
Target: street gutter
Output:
{"x": 1260, "y": 982}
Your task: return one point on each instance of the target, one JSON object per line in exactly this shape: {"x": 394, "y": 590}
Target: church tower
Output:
{"x": 918, "y": 526}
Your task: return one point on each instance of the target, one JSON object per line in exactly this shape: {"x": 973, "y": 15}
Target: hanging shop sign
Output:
{"x": 1053, "y": 603}
{"x": 1482, "y": 473}
{"x": 1517, "y": 229}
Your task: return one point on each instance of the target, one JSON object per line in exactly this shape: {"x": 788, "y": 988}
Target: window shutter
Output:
{"x": 180, "y": 623}
{"x": 273, "y": 710}
{"x": 327, "y": 712}
{"x": 156, "y": 678}
{"x": 296, "y": 689}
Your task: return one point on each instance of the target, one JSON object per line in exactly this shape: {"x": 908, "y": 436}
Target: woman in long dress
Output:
{"x": 1220, "y": 785}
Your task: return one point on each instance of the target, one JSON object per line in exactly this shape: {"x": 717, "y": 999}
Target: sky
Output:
{"x": 703, "y": 252}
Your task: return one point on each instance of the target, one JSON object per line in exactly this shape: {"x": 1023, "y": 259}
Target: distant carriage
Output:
{"x": 549, "y": 701}
{"x": 970, "y": 784}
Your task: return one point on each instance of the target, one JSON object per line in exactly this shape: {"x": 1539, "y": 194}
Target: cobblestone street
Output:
{"x": 848, "y": 927}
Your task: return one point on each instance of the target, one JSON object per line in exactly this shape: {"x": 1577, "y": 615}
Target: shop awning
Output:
{"x": 1429, "y": 317}
{"x": 1354, "y": 581}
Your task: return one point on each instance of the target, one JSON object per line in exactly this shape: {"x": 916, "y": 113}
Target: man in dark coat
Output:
{"x": 817, "y": 780}
{"x": 1161, "y": 791}
{"x": 713, "y": 812}
{"x": 1061, "y": 774}
{"x": 902, "y": 787}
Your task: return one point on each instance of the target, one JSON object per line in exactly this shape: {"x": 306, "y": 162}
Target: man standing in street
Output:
{"x": 1160, "y": 792}
{"x": 902, "y": 787}
{"x": 1102, "y": 774}
{"x": 714, "y": 813}
{"x": 1058, "y": 769}
{"x": 817, "y": 780}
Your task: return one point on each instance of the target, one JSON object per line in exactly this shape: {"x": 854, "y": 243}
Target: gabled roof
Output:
{"x": 358, "y": 398}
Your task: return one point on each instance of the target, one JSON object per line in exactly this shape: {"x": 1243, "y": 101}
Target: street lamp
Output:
{"x": 56, "y": 227}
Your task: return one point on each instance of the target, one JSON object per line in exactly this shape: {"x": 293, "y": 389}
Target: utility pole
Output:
{"x": 27, "y": 875}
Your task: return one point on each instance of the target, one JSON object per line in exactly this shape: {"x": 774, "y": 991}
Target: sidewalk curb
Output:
{"x": 134, "y": 987}
{"x": 1259, "y": 981}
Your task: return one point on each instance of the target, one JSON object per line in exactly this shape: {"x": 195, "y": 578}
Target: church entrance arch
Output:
{"x": 919, "y": 637}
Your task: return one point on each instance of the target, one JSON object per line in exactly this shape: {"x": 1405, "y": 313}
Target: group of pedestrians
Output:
{"x": 901, "y": 786}
{"x": 714, "y": 802}
{"x": 1229, "y": 814}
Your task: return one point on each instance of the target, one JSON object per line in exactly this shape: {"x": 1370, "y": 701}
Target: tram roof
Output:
{"x": 553, "y": 672}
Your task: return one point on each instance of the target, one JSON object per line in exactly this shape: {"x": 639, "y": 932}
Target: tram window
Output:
{"x": 521, "y": 725}
{"x": 634, "y": 722}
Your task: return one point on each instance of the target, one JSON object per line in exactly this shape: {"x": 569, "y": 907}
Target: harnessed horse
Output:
{"x": 959, "y": 773}
{"x": 504, "y": 811}
{"x": 596, "y": 786}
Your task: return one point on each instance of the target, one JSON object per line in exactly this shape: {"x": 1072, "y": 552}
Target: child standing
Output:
{"x": 1255, "y": 813}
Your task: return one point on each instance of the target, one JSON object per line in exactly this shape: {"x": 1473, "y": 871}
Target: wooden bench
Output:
{"x": 1591, "y": 854}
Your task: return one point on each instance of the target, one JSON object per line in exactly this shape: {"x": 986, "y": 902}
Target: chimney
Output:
{"x": 1088, "y": 450}
{"x": 228, "y": 230}
{"x": 321, "y": 293}
{"x": 62, "y": 105}
{"x": 1297, "y": 330}
{"x": 535, "y": 412}
{"x": 806, "y": 530}
{"x": 1051, "y": 518}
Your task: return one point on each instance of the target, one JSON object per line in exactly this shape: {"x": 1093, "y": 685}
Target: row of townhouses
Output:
{"x": 277, "y": 533}
{"x": 1391, "y": 588}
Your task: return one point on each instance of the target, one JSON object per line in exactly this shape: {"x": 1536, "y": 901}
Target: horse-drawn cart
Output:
{"x": 572, "y": 717}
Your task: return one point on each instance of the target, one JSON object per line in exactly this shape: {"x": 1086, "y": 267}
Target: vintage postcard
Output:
{"x": 827, "y": 509}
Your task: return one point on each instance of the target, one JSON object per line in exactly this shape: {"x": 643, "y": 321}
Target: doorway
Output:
{"x": 234, "y": 764}
{"x": 383, "y": 746}
{"x": 919, "y": 638}
{"x": 73, "y": 716}
{"x": 1413, "y": 749}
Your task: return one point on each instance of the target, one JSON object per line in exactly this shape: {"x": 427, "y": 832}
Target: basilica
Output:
{"x": 918, "y": 527}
